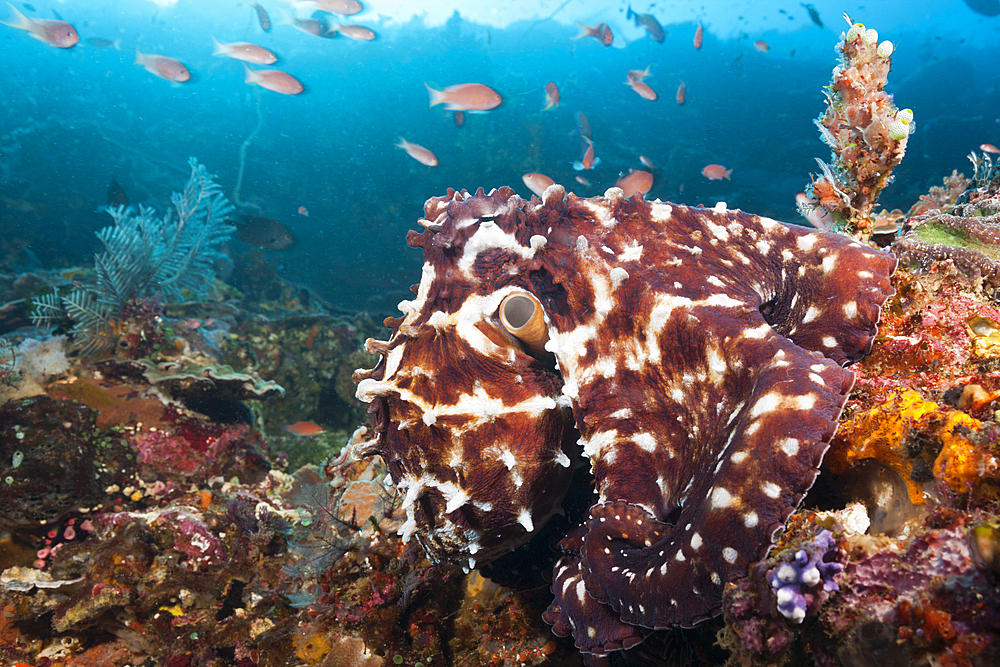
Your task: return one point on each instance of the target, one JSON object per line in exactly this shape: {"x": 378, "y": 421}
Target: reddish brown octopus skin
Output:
{"x": 698, "y": 353}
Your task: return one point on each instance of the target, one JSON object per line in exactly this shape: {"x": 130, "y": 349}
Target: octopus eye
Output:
{"x": 522, "y": 316}
{"x": 487, "y": 218}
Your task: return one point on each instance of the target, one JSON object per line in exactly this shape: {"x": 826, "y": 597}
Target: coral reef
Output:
{"x": 863, "y": 128}
{"x": 679, "y": 335}
{"x": 961, "y": 237}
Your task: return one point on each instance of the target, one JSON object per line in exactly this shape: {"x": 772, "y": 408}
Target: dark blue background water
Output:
{"x": 73, "y": 120}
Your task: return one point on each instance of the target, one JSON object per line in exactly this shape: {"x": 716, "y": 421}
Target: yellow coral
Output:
{"x": 880, "y": 434}
{"x": 961, "y": 464}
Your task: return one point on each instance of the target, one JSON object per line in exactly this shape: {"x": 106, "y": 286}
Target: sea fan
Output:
{"x": 146, "y": 256}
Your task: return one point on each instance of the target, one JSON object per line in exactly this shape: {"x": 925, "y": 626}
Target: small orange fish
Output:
{"x": 583, "y": 181}
{"x": 49, "y": 31}
{"x": 587, "y": 161}
{"x": 537, "y": 183}
{"x": 638, "y": 74}
{"x": 646, "y": 161}
{"x": 681, "y": 93}
{"x": 989, "y": 148}
{"x": 303, "y": 211}
{"x": 273, "y": 79}
{"x": 465, "y": 97}
{"x": 459, "y": 118}
{"x": 162, "y": 66}
{"x": 715, "y": 172}
{"x": 643, "y": 89}
{"x": 601, "y": 32}
{"x": 357, "y": 32}
{"x": 698, "y": 34}
{"x": 551, "y": 95}
{"x": 251, "y": 53}
{"x": 762, "y": 46}
{"x": 582, "y": 124}
{"x": 304, "y": 429}
{"x": 418, "y": 153}
{"x": 635, "y": 181}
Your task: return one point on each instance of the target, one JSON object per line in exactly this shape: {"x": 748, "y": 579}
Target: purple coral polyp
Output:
{"x": 793, "y": 581}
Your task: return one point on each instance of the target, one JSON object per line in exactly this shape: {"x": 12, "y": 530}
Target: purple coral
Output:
{"x": 793, "y": 581}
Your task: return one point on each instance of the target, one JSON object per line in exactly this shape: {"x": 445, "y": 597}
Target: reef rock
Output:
{"x": 692, "y": 356}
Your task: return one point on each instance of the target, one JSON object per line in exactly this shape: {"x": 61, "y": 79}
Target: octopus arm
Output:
{"x": 595, "y": 626}
{"x": 743, "y": 475}
{"x": 828, "y": 291}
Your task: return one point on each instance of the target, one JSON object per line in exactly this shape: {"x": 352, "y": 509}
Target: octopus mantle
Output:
{"x": 693, "y": 357}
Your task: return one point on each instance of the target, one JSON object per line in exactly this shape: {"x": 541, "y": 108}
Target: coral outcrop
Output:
{"x": 863, "y": 128}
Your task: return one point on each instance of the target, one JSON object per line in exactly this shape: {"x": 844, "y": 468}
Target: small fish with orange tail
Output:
{"x": 465, "y": 97}
{"x": 274, "y": 80}
{"x": 698, "y": 35}
{"x": 163, "y": 66}
{"x": 715, "y": 172}
{"x": 304, "y": 429}
{"x": 245, "y": 51}
{"x": 551, "y": 95}
{"x": 601, "y": 32}
{"x": 49, "y": 31}
{"x": 587, "y": 161}
{"x": 682, "y": 91}
{"x": 418, "y": 153}
{"x": 635, "y": 80}
{"x": 537, "y": 183}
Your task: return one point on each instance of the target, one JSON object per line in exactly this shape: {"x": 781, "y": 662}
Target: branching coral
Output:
{"x": 866, "y": 132}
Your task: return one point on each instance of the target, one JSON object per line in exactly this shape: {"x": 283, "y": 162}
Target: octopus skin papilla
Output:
{"x": 692, "y": 358}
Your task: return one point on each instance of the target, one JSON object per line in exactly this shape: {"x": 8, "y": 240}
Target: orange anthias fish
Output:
{"x": 49, "y": 31}
{"x": 537, "y": 183}
{"x": 601, "y": 32}
{"x": 638, "y": 74}
{"x": 762, "y": 46}
{"x": 345, "y": 7}
{"x": 646, "y": 161}
{"x": 587, "y": 161}
{"x": 162, "y": 66}
{"x": 715, "y": 172}
{"x": 465, "y": 97}
{"x": 275, "y": 80}
{"x": 459, "y": 118}
{"x": 989, "y": 148}
{"x": 304, "y": 429}
{"x": 681, "y": 93}
{"x": 551, "y": 95}
{"x": 643, "y": 89}
{"x": 635, "y": 181}
{"x": 303, "y": 211}
{"x": 698, "y": 34}
{"x": 418, "y": 153}
{"x": 356, "y": 32}
{"x": 251, "y": 53}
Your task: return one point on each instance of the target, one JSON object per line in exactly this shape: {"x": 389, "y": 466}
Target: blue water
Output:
{"x": 74, "y": 120}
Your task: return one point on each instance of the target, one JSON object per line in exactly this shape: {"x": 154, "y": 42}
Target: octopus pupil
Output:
{"x": 519, "y": 310}
{"x": 487, "y": 218}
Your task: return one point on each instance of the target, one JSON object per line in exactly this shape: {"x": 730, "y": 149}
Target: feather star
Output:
{"x": 694, "y": 357}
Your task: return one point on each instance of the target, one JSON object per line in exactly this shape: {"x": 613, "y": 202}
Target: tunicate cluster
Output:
{"x": 793, "y": 580}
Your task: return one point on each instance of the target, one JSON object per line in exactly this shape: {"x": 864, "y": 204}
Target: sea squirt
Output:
{"x": 693, "y": 357}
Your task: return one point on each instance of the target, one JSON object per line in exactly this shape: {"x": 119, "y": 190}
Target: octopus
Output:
{"x": 693, "y": 358}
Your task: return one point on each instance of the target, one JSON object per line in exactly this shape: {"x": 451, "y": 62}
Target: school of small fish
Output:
{"x": 326, "y": 18}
